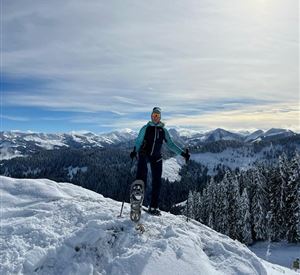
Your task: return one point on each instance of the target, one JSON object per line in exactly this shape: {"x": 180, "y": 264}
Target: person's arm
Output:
{"x": 171, "y": 145}
{"x": 140, "y": 138}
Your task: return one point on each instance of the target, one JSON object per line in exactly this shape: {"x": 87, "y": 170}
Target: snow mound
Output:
{"x": 59, "y": 228}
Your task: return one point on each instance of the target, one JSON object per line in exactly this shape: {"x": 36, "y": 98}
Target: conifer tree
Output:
{"x": 245, "y": 221}
{"x": 276, "y": 213}
{"x": 221, "y": 208}
{"x": 293, "y": 201}
{"x": 285, "y": 173}
{"x": 211, "y": 200}
{"x": 233, "y": 195}
{"x": 258, "y": 206}
{"x": 197, "y": 202}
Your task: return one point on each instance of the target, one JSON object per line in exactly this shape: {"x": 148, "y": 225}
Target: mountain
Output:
{"x": 59, "y": 228}
{"x": 19, "y": 143}
{"x": 221, "y": 134}
{"x": 254, "y": 136}
{"x": 13, "y": 143}
{"x": 195, "y": 138}
{"x": 279, "y": 133}
{"x": 192, "y": 137}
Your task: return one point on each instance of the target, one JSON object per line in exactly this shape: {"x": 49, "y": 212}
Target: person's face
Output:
{"x": 155, "y": 117}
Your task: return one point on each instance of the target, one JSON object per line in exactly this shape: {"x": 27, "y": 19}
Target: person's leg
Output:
{"x": 156, "y": 168}
{"x": 142, "y": 169}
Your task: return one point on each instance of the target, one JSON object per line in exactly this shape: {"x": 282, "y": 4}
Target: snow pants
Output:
{"x": 156, "y": 170}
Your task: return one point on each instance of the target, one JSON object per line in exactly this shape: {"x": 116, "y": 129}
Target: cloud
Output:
{"x": 14, "y": 118}
{"x": 250, "y": 117}
{"x": 125, "y": 57}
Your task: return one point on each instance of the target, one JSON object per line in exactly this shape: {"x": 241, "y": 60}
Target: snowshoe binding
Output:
{"x": 152, "y": 211}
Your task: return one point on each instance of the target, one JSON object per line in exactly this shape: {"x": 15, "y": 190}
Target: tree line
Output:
{"x": 262, "y": 203}
{"x": 108, "y": 171}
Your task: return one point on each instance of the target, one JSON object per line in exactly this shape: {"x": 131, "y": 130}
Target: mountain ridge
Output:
{"x": 16, "y": 143}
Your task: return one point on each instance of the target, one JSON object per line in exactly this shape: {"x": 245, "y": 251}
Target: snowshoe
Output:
{"x": 136, "y": 199}
{"x": 152, "y": 211}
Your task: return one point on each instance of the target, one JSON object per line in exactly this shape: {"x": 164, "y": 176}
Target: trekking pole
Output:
{"x": 187, "y": 201}
{"x": 126, "y": 189}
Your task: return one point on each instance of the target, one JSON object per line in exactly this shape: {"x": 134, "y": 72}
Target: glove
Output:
{"x": 186, "y": 155}
{"x": 133, "y": 154}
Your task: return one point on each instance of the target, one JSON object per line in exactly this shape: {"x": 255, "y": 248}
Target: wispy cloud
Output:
{"x": 14, "y": 118}
{"x": 123, "y": 58}
{"x": 251, "y": 117}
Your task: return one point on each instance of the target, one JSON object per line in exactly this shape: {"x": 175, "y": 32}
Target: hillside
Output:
{"x": 59, "y": 228}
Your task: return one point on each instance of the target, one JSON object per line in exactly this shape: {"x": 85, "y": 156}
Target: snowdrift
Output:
{"x": 59, "y": 228}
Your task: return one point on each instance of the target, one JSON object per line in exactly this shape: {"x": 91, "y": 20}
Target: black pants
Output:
{"x": 156, "y": 169}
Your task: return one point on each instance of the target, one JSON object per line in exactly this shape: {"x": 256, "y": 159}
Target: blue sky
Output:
{"x": 103, "y": 65}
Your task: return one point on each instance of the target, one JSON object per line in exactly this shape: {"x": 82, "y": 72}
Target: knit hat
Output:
{"x": 156, "y": 110}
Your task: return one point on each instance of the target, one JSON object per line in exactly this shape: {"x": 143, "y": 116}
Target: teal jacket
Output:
{"x": 151, "y": 138}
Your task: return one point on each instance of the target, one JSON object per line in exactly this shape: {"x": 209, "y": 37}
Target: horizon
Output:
{"x": 83, "y": 132}
{"x": 102, "y": 66}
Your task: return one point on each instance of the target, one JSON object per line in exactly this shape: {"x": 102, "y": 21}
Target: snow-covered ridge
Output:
{"x": 59, "y": 228}
{"x": 14, "y": 143}
{"x": 222, "y": 134}
{"x": 49, "y": 141}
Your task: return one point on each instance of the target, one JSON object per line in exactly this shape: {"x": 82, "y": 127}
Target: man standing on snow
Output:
{"x": 148, "y": 146}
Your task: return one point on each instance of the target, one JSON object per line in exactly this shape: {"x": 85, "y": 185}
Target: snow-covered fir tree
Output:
{"x": 276, "y": 212}
{"x": 190, "y": 205}
{"x": 292, "y": 201}
{"x": 211, "y": 203}
{"x": 268, "y": 208}
{"x": 233, "y": 195}
{"x": 197, "y": 205}
{"x": 284, "y": 174}
{"x": 245, "y": 220}
{"x": 221, "y": 208}
{"x": 258, "y": 206}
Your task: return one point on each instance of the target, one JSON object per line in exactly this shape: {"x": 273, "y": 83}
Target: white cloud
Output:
{"x": 14, "y": 118}
{"x": 127, "y": 56}
{"x": 250, "y": 117}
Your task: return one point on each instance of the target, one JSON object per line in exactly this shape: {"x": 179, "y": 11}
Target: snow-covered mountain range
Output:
{"x": 59, "y": 228}
{"x": 14, "y": 143}
{"x": 195, "y": 138}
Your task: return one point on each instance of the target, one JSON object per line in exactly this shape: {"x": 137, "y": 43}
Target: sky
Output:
{"x": 103, "y": 65}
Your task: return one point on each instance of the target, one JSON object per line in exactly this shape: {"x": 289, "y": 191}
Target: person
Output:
{"x": 296, "y": 264}
{"x": 148, "y": 148}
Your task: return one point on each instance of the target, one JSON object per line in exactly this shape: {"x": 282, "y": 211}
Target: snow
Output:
{"x": 171, "y": 168}
{"x": 7, "y": 151}
{"x": 45, "y": 141}
{"x": 72, "y": 171}
{"x": 275, "y": 131}
{"x": 59, "y": 228}
{"x": 32, "y": 172}
{"x": 281, "y": 253}
{"x": 255, "y": 136}
{"x": 232, "y": 158}
{"x": 185, "y": 132}
{"x": 242, "y": 158}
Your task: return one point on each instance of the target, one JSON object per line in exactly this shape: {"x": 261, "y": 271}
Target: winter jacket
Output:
{"x": 151, "y": 138}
